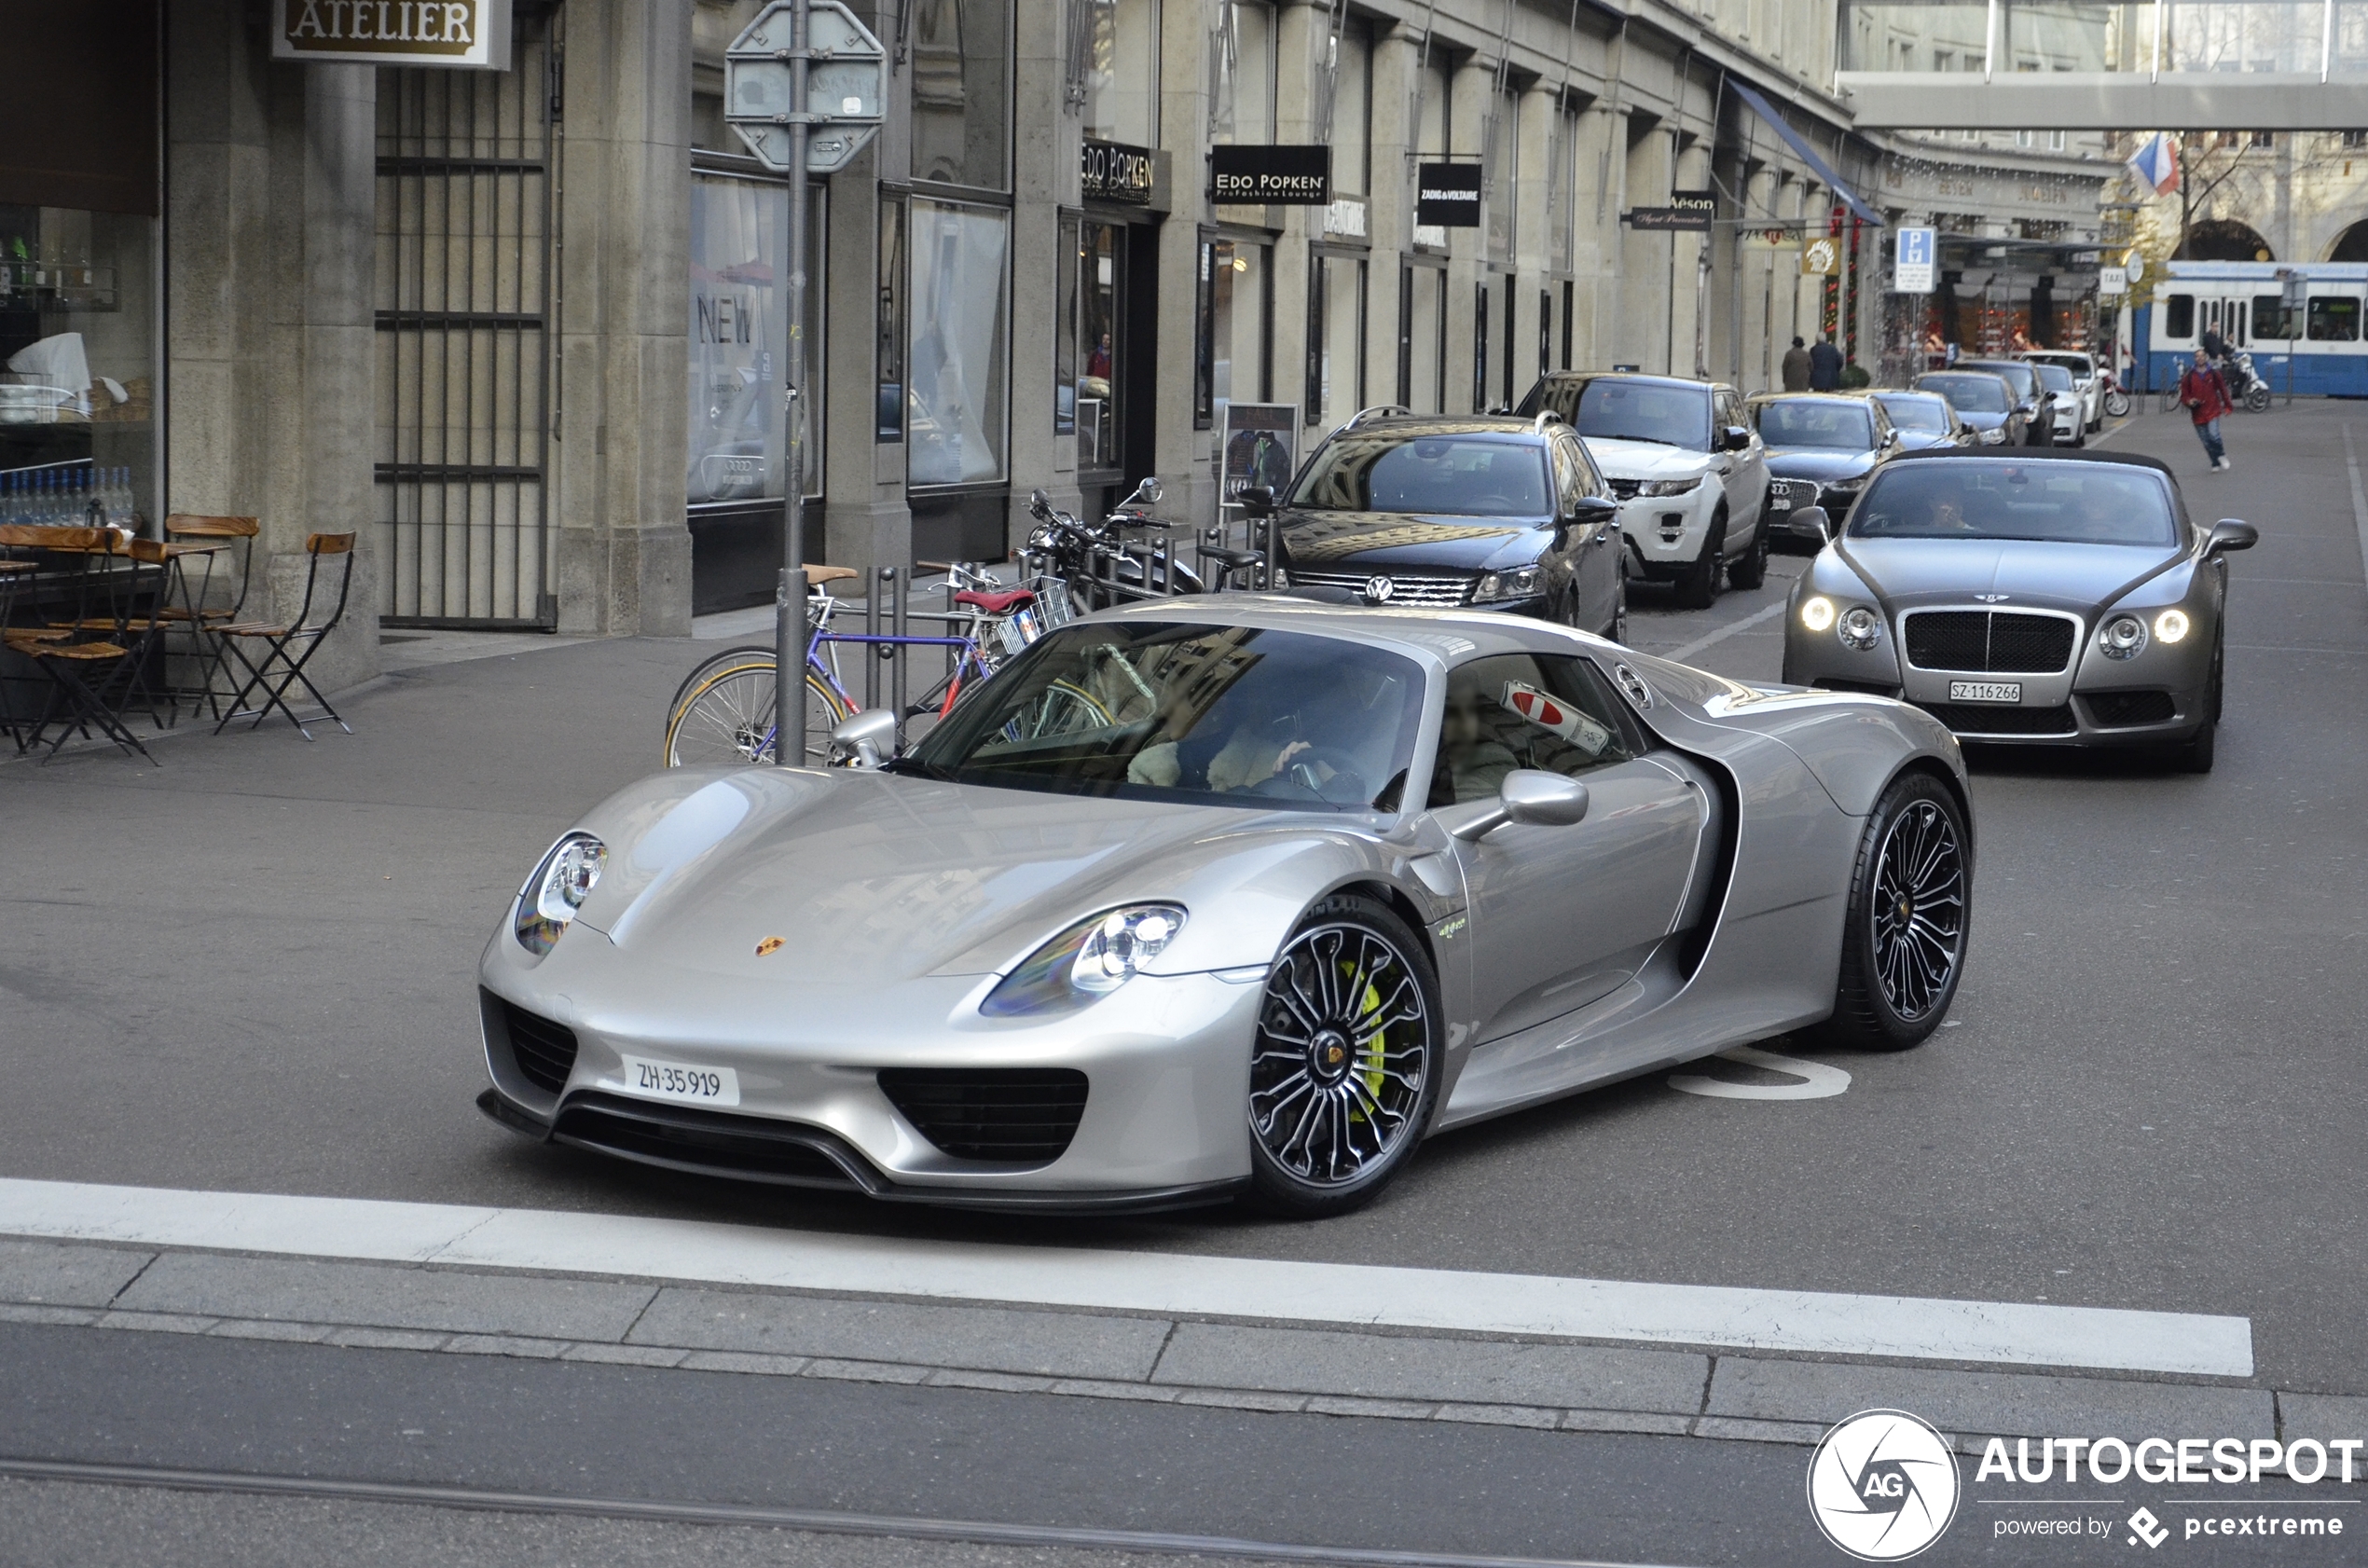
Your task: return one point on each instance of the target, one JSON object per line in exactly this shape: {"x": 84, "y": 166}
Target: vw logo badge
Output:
{"x": 1380, "y": 590}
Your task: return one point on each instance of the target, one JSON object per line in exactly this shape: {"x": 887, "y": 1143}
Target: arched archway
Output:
{"x": 2224, "y": 239}
{"x": 2352, "y": 244}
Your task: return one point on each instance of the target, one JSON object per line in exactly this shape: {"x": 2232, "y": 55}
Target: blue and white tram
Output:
{"x": 2242, "y": 301}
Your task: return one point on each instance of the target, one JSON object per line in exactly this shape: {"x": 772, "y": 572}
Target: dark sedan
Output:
{"x": 1488, "y": 512}
{"x": 1983, "y": 401}
{"x": 2038, "y": 410}
{"x": 1822, "y": 447}
{"x": 1926, "y": 420}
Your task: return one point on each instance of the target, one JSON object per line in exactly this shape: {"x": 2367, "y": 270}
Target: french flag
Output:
{"x": 2157, "y": 164}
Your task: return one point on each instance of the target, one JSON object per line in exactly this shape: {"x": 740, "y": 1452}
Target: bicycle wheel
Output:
{"x": 723, "y": 716}
{"x": 1060, "y": 709}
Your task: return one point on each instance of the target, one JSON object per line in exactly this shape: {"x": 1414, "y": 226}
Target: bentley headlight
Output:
{"x": 1669, "y": 487}
{"x": 2172, "y": 624}
{"x": 1520, "y": 583}
{"x": 1994, "y": 436}
{"x": 1817, "y": 612}
{"x": 1858, "y": 627}
{"x": 561, "y": 882}
{"x": 2124, "y": 636}
{"x": 1091, "y": 958}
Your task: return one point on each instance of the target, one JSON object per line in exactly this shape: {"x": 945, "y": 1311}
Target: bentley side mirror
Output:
{"x": 1257, "y": 501}
{"x": 1739, "y": 438}
{"x": 865, "y": 740}
{"x": 1533, "y": 797}
{"x": 2230, "y": 533}
{"x": 1811, "y": 526}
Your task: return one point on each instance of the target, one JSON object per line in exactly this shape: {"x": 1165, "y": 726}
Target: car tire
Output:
{"x": 1616, "y": 630}
{"x": 2195, "y": 753}
{"x": 1897, "y": 977}
{"x": 1697, "y": 584}
{"x": 1315, "y": 1080}
{"x": 1750, "y": 569}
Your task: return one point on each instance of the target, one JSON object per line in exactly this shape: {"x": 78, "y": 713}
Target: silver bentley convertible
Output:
{"x": 2030, "y": 596}
{"x": 1227, "y": 896}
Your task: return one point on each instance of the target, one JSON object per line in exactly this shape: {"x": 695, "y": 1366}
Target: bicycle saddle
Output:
{"x": 817, "y": 575}
{"x": 998, "y": 604}
{"x": 1232, "y": 557}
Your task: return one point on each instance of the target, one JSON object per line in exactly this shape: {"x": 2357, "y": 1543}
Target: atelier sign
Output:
{"x": 1114, "y": 172}
{"x": 458, "y": 34}
{"x": 1284, "y": 175}
{"x": 1447, "y": 195}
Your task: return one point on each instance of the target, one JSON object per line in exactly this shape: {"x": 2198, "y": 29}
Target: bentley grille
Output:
{"x": 1424, "y": 590}
{"x": 1973, "y": 718}
{"x": 1999, "y": 641}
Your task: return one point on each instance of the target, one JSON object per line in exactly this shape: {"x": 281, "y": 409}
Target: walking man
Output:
{"x": 1796, "y": 367}
{"x": 1825, "y": 365}
{"x": 2204, "y": 393}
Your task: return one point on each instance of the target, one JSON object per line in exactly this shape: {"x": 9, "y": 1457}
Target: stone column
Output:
{"x": 272, "y": 191}
{"x": 1046, "y": 136}
{"x": 1301, "y": 29}
{"x": 1389, "y": 217}
{"x": 1532, "y": 245}
{"x": 1471, "y": 83}
{"x": 624, "y": 339}
{"x": 1603, "y": 162}
{"x": 1642, "y": 333}
{"x": 1184, "y": 452}
{"x": 1685, "y": 276}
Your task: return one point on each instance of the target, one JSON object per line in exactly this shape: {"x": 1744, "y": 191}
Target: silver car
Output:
{"x": 2033, "y": 597}
{"x": 1219, "y": 897}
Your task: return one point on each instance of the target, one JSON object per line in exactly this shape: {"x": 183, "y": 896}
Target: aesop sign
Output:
{"x": 467, "y": 35}
{"x": 1291, "y": 176}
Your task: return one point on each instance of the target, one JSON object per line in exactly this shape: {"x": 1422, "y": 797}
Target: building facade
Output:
{"x": 522, "y": 327}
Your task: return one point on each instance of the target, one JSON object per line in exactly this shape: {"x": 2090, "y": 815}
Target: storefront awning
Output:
{"x": 1809, "y": 154}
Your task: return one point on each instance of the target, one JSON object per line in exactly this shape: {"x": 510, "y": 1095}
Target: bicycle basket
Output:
{"x": 1054, "y": 607}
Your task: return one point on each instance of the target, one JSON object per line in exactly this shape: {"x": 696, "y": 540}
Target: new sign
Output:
{"x": 1913, "y": 265}
{"x": 1447, "y": 195}
{"x": 1289, "y": 177}
{"x": 460, "y": 35}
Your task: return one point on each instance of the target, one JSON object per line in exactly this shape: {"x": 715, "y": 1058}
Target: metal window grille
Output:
{"x": 463, "y": 288}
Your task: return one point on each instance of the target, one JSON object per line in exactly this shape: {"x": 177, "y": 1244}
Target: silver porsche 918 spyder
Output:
{"x": 2031, "y": 597}
{"x": 1227, "y": 896}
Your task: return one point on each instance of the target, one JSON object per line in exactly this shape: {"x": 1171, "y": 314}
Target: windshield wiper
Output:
{"x": 1623, "y": 435}
{"x": 918, "y": 769}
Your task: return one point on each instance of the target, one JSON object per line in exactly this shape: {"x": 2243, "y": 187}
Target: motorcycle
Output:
{"x": 1101, "y": 566}
{"x": 2245, "y": 385}
{"x": 2116, "y": 399}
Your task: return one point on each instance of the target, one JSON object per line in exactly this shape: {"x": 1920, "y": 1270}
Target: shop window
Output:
{"x": 1122, "y": 83}
{"x": 1243, "y": 109}
{"x": 887, "y": 350}
{"x": 954, "y": 406}
{"x": 1335, "y": 339}
{"x": 1236, "y": 298}
{"x": 1421, "y": 338}
{"x": 1480, "y": 346}
{"x": 77, "y": 338}
{"x": 1545, "y": 330}
{"x": 1099, "y": 326}
{"x": 1065, "y": 331}
{"x": 962, "y": 93}
{"x": 739, "y": 338}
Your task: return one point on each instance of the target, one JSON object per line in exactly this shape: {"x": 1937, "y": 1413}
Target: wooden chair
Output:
{"x": 276, "y": 640}
{"x": 91, "y": 661}
{"x": 211, "y": 651}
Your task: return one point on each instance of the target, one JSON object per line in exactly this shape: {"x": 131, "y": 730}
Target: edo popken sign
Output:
{"x": 462, "y": 34}
{"x": 1288, "y": 176}
{"x": 1114, "y": 172}
{"x": 1447, "y": 195}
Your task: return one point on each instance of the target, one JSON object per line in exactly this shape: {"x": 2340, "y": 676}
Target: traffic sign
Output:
{"x": 1914, "y": 264}
{"x": 2112, "y": 281}
{"x": 845, "y": 85}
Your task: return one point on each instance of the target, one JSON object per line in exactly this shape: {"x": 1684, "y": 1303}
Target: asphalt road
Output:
{"x": 252, "y": 970}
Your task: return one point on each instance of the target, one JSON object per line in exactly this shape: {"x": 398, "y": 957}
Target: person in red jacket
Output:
{"x": 2204, "y": 395}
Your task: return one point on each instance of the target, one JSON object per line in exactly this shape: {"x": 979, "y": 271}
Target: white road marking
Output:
{"x": 1167, "y": 1284}
{"x": 1722, "y": 634}
{"x": 1818, "y": 1082}
{"x": 2359, "y": 500}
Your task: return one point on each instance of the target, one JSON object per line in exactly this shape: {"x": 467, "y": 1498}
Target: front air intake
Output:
{"x": 544, "y": 1050}
{"x": 1020, "y": 1116}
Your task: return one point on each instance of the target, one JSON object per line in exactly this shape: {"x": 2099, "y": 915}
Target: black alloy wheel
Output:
{"x": 2195, "y": 753}
{"x": 1904, "y": 933}
{"x": 1697, "y": 584}
{"x": 1345, "y": 1073}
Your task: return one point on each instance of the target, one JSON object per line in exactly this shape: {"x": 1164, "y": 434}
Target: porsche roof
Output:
{"x": 1444, "y": 635}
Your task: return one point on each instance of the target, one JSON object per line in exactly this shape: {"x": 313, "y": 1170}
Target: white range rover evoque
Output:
{"x": 1687, "y": 468}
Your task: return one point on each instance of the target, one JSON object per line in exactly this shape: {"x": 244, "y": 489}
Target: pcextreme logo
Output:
{"x": 1882, "y": 1485}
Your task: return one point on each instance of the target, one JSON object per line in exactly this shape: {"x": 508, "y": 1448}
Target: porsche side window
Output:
{"x": 1522, "y": 711}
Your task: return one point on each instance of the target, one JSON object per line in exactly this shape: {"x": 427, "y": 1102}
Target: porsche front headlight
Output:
{"x": 1669, "y": 487}
{"x": 562, "y": 880}
{"x": 1090, "y": 959}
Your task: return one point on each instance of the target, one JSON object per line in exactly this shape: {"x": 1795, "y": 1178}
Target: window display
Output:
{"x": 954, "y": 406}
{"x": 78, "y": 342}
{"x": 962, "y": 93}
{"x": 1235, "y": 298}
{"x": 1122, "y": 84}
{"x": 738, "y": 226}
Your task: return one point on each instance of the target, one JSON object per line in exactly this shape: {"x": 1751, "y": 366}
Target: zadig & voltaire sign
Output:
{"x": 457, "y": 34}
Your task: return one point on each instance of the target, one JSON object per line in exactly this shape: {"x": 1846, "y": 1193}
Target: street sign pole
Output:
{"x": 788, "y": 615}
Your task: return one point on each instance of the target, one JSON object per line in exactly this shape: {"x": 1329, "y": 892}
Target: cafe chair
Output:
{"x": 193, "y": 534}
{"x": 91, "y": 662}
{"x": 286, "y": 649}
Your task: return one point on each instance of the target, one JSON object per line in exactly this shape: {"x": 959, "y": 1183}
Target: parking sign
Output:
{"x": 1919, "y": 249}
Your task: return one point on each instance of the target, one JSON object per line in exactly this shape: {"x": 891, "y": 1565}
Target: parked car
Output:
{"x": 1275, "y": 891}
{"x": 1925, "y": 419}
{"x": 1690, "y": 475}
{"x": 2064, "y": 407}
{"x": 2036, "y": 598}
{"x": 1490, "y": 512}
{"x": 1983, "y": 401}
{"x": 1822, "y": 447}
{"x": 2088, "y": 376}
{"x": 2039, "y": 422}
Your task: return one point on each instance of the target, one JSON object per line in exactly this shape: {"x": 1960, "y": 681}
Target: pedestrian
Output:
{"x": 2204, "y": 393}
{"x": 1825, "y": 365}
{"x": 2214, "y": 345}
{"x": 1796, "y": 367}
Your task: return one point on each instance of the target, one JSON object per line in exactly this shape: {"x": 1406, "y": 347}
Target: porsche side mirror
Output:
{"x": 1739, "y": 438}
{"x": 1811, "y": 526}
{"x": 2230, "y": 533}
{"x": 865, "y": 740}
{"x": 1531, "y": 796}
{"x": 1257, "y": 501}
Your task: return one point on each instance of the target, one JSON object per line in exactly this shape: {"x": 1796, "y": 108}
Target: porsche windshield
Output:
{"x": 2056, "y": 503}
{"x": 1838, "y": 423}
{"x": 1205, "y": 715}
{"x": 1461, "y": 476}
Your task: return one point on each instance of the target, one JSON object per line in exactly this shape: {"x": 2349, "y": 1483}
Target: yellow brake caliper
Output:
{"x": 1370, "y": 1047}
